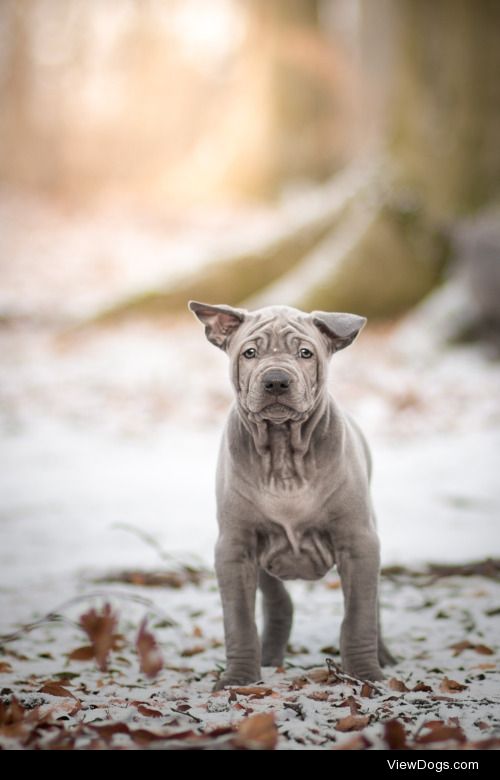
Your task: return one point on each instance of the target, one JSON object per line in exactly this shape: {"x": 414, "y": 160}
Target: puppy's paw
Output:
{"x": 227, "y": 679}
{"x": 371, "y": 673}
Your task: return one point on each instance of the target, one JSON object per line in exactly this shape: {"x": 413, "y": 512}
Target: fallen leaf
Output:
{"x": 484, "y": 650}
{"x": 298, "y": 683}
{"x": 100, "y": 629}
{"x": 107, "y": 730}
{"x": 197, "y": 632}
{"x": 459, "y": 647}
{"x": 12, "y": 717}
{"x": 195, "y": 650}
{"x": 85, "y": 653}
{"x": 150, "y": 657}
{"x": 353, "y": 705}
{"x": 451, "y": 686}
{"x": 329, "y": 650}
{"x": 352, "y": 723}
{"x": 397, "y": 685}
{"x": 5, "y": 667}
{"x": 50, "y": 710}
{"x": 147, "y": 711}
{"x": 318, "y": 695}
{"x": 258, "y": 731}
{"x": 483, "y": 744}
{"x": 395, "y": 734}
{"x": 319, "y": 675}
{"x": 441, "y": 733}
{"x": 253, "y": 690}
{"x": 367, "y": 691}
{"x": 55, "y": 689}
{"x": 422, "y": 688}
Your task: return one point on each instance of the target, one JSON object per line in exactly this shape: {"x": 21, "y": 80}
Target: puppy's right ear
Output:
{"x": 220, "y": 321}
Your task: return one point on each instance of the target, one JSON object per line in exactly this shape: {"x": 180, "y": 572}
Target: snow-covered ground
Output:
{"x": 110, "y": 435}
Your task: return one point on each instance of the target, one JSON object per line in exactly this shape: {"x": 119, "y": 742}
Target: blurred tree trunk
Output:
{"x": 16, "y": 123}
{"x": 442, "y": 160}
{"x": 445, "y": 107}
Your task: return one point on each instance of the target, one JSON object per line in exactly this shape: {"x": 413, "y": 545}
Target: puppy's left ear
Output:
{"x": 220, "y": 321}
{"x": 339, "y": 329}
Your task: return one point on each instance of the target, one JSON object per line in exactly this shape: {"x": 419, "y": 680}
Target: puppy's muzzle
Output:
{"x": 276, "y": 381}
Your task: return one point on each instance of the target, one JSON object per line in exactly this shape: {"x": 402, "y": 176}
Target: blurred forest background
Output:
{"x": 335, "y": 154}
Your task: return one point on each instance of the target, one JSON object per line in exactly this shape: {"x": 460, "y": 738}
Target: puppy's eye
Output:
{"x": 250, "y": 353}
{"x": 305, "y": 353}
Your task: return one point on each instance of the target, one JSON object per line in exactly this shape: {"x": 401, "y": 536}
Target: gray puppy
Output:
{"x": 293, "y": 493}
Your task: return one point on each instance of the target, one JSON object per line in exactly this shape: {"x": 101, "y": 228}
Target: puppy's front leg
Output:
{"x": 358, "y": 563}
{"x": 237, "y": 574}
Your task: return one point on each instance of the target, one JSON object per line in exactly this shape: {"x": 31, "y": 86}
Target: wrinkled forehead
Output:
{"x": 276, "y": 328}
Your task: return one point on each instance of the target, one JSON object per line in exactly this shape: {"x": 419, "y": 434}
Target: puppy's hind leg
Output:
{"x": 278, "y": 617}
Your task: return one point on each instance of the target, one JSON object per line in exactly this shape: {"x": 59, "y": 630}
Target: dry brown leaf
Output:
{"x": 318, "y": 696}
{"x": 484, "y": 666}
{"x": 398, "y": 685}
{"x": 258, "y": 731}
{"x": 422, "y": 688}
{"x": 46, "y": 712}
{"x": 484, "y": 650}
{"x": 459, "y": 647}
{"x": 253, "y": 690}
{"x": 352, "y": 723}
{"x": 395, "y": 734}
{"x": 197, "y": 632}
{"x": 100, "y": 628}
{"x": 5, "y": 667}
{"x": 298, "y": 683}
{"x": 367, "y": 691}
{"x": 107, "y": 730}
{"x": 318, "y": 675}
{"x": 150, "y": 657}
{"x": 353, "y": 705}
{"x": 441, "y": 733}
{"x": 147, "y": 711}
{"x": 195, "y": 650}
{"x": 451, "y": 686}
{"x": 12, "y": 719}
{"x": 85, "y": 653}
{"x": 56, "y": 689}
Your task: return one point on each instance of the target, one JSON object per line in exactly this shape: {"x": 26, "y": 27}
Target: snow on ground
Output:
{"x": 109, "y": 435}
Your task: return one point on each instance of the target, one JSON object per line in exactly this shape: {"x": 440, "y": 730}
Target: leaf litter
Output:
{"x": 128, "y": 689}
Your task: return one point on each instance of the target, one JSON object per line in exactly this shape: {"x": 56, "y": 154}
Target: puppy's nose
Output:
{"x": 276, "y": 381}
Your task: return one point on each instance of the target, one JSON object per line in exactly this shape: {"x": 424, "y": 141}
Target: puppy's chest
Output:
{"x": 291, "y": 506}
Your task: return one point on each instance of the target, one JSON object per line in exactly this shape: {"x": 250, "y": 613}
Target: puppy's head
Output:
{"x": 278, "y": 354}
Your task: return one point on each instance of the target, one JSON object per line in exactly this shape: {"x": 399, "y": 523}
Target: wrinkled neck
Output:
{"x": 283, "y": 449}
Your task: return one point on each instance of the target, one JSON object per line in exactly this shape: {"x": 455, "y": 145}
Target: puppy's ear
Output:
{"x": 220, "y": 321}
{"x": 339, "y": 329}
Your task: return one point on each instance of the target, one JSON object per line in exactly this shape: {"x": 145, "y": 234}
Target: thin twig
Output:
{"x": 189, "y": 715}
{"x": 154, "y": 543}
{"x": 344, "y": 677}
